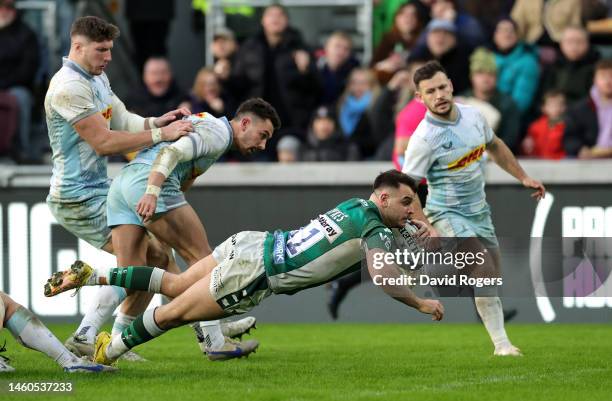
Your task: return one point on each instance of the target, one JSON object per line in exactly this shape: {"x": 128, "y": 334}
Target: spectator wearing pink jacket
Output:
{"x": 407, "y": 121}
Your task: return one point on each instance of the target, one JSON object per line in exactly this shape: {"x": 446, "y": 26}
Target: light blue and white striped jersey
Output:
{"x": 450, "y": 156}
{"x": 212, "y": 137}
{"x": 74, "y": 94}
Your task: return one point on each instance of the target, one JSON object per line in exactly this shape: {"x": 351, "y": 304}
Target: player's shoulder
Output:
{"x": 67, "y": 87}
{"x": 357, "y": 204}
{"x": 207, "y": 120}
{"x": 68, "y": 80}
{"x": 215, "y": 132}
{"x": 469, "y": 112}
{"x": 361, "y": 211}
{"x": 425, "y": 133}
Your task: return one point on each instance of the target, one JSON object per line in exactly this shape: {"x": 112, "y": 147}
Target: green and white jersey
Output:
{"x": 328, "y": 247}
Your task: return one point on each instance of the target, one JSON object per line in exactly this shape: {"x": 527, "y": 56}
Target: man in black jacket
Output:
{"x": 159, "y": 91}
{"x": 572, "y": 72}
{"x": 274, "y": 64}
{"x": 19, "y": 61}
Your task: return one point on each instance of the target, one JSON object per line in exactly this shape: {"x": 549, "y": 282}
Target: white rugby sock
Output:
{"x": 121, "y": 322}
{"x": 105, "y": 302}
{"x": 98, "y": 273}
{"x": 492, "y": 315}
{"x": 32, "y": 333}
{"x": 211, "y": 336}
{"x": 117, "y": 347}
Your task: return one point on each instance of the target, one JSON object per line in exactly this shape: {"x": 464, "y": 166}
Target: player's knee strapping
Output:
{"x": 137, "y": 278}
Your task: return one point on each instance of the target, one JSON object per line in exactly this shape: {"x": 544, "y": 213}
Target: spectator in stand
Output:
{"x": 19, "y": 61}
{"x": 489, "y": 15}
{"x": 325, "y": 142}
{"x": 223, "y": 48}
{"x": 518, "y": 69}
{"x": 383, "y": 14}
{"x": 483, "y": 74}
{"x": 275, "y": 64}
{"x": 407, "y": 121}
{"x": 543, "y": 21}
{"x": 588, "y": 123}
{"x": 572, "y": 72}
{"x": 355, "y": 108}
{"x": 207, "y": 95}
{"x": 467, "y": 27}
{"x": 288, "y": 149}
{"x": 443, "y": 45}
{"x": 395, "y": 47}
{"x": 335, "y": 66}
{"x": 408, "y": 116}
{"x": 149, "y": 22}
{"x": 159, "y": 92}
{"x": 544, "y": 138}
{"x": 392, "y": 99}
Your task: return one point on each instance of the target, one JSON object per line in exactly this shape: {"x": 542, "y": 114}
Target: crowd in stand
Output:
{"x": 527, "y": 65}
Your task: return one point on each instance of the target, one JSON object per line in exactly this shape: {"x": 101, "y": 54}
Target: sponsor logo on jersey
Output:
{"x": 337, "y": 215}
{"x": 467, "y": 159}
{"x": 331, "y": 230}
{"x": 279, "y": 248}
{"x": 108, "y": 113}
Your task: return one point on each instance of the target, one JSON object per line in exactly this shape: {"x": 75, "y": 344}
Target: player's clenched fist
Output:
{"x": 146, "y": 207}
{"x": 176, "y": 130}
{"x": 432, "y": 307}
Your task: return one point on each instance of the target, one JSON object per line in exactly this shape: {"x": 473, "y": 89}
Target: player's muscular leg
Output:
{"x": 194, "y": 304}
{"x": 183, "y": 231}
{"x": 487, "y": 266}
{"x": 131, "y": 248}
{"x": 175, "y": 284}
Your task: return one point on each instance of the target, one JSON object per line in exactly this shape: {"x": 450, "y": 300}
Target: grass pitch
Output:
{"x": 348, "y": 362}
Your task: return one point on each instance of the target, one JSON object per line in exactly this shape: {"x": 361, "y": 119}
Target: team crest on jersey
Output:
{"x": 201, "y": 115}
{"x": 108, "y": 113}
{"x": 467, "y": 159}
{"x": 331, "y": 230}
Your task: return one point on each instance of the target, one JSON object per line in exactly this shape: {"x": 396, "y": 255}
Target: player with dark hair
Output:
{"x": 448, "y": 149}
{"x": 250, "y": 266}
{"x": 148, "y": 196}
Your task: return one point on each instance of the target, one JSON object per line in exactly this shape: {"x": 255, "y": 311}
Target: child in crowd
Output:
{"x": 544, "y": 138}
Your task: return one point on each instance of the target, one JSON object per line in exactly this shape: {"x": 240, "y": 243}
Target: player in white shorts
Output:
{"x": 447, "y": 148}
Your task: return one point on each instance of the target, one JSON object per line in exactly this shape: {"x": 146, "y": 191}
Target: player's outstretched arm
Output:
{"x": 386, "y": 274}
{"x": 502, "y": 155}
{"x": 94, "y": 131}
